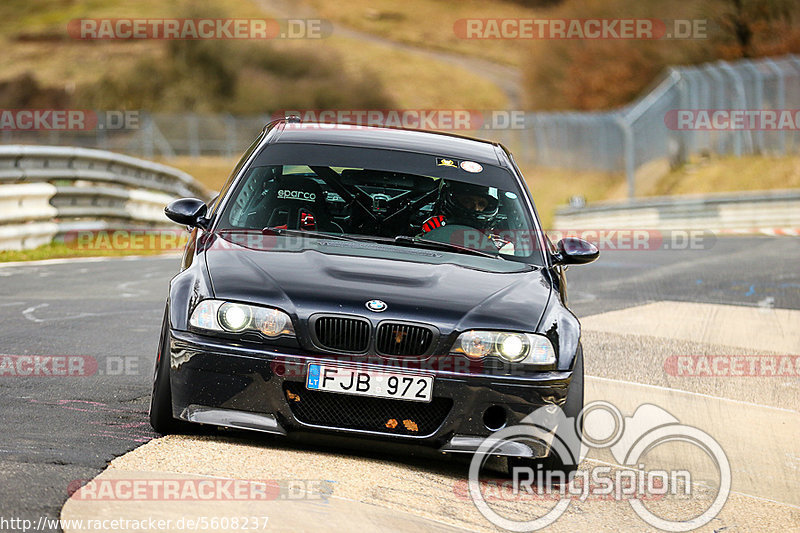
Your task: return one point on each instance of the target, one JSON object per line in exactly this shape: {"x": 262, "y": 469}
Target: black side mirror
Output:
{"x": 188, "y": 212}
{"x": 574, "y": 251}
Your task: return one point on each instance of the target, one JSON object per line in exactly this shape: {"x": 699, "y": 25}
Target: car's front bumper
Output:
{"x": 220, "y": 383}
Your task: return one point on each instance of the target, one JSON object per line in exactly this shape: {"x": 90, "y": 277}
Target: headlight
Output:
{"x": 234, "y": 317}
{"x": 475, "y": 344}
{"x": 216, "y": 315}
{"x": 273, "y": 322}
{"x": 512, "y": 347}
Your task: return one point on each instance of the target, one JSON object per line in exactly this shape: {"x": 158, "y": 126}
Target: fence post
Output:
{"x": 795, "y": 60}
{"x": 148, "y": 140}
{"x": 628, "y": 154}
{"x": 230, "y": 135}
{"x": 758, "y": 100}
{"x": 682, "y": 156}
{"x": 742, "y": 104}
{"x": 780, "y": 101}
{"x": 719, "y": 100}
{"x": 192, "y": 126}
{"x": 540, "y": 157}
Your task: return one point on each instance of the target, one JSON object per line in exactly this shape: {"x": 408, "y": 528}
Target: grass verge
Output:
{"x": 57, "y": 250}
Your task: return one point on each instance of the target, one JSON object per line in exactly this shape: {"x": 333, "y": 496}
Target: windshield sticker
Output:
{"x": 471, "y": 166}
{"x": 441, "y": 162}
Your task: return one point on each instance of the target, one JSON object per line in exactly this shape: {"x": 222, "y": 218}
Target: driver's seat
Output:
{"x": 296, "y": 203}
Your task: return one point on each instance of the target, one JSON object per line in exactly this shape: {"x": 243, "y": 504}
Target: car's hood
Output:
{"x": 448, "y": 295}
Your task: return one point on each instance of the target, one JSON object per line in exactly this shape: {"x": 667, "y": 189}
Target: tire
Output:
{"x": 572, "y": 408}
{"x": 161, "y": 399}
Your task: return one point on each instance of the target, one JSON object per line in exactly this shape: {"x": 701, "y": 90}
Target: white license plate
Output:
{"x": 378, "y": 383}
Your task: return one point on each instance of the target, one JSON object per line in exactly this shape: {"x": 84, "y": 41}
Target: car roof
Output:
{"x": 426, "y": 142}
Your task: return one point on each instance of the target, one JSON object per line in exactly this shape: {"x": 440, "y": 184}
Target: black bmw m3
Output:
{"x": 377, "y": 282}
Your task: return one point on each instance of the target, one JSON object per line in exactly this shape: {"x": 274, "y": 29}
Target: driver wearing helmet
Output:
{"x": 466, "y": 204}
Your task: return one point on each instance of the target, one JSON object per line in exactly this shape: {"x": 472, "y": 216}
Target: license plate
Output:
{"x": 363, "y": 382}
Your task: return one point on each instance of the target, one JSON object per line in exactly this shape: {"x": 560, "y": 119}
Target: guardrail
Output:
{"x": 740, "y": 212}
{"x": 49, "y": 190}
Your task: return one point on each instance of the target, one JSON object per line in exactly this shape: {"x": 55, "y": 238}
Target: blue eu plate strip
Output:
{"x": 312, "y": 381}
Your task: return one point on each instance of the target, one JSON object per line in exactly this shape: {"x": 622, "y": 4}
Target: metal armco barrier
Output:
{"x": 743, "y": 212}
{"x": 48, "y": 190}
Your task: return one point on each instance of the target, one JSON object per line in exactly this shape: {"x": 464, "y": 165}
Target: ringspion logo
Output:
{"x": 601, "y": 425}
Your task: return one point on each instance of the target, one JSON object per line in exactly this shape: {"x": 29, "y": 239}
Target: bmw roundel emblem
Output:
{"x": 377, "y": 306}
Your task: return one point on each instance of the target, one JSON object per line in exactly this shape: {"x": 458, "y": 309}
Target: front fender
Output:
{"x": 564, "y": 330}
{"x": 186, "y": 289}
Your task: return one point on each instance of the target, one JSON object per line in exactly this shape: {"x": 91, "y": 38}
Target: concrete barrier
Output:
{"x": 743, "y": 212}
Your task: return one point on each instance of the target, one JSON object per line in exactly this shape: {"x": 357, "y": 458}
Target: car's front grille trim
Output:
{"x": 404, "y": 339}
{"x": 342, "y": 333}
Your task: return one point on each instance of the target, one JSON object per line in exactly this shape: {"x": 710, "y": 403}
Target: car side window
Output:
{"x": 244, "y": 205}
{"x": 215, "y": 203}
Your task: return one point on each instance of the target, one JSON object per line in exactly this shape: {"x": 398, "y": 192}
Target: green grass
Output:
{"x": 730, "y": 174}
{"x": 552, "y": 188}
{"x": 56, "y": 250}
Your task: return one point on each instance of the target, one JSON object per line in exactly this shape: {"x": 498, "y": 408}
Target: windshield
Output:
{"x": 385, "y": 206}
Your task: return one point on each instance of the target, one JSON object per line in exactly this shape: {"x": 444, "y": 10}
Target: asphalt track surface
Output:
{"x": 59, "y": 430}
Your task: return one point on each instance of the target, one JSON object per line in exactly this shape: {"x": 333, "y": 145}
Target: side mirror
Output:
{"x": 574, "y": 251}
{"x": 188, "y": 212}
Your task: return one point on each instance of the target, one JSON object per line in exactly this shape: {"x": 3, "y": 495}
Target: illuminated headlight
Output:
{"x": 512, "y": 347}
{"x": 216, "y": 315}
{"x": 234, "y": 317}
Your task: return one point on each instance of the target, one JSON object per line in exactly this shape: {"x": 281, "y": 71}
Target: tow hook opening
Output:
{"x": 494, "y": 418}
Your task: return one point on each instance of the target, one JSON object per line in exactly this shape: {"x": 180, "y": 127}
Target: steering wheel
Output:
{"x": 365, "y": 202}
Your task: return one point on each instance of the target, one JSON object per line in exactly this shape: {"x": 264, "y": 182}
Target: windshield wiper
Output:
{"x": 305, "y": 233}
{"x": 400, "y": 240}
{"x": 438, "y": 245}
